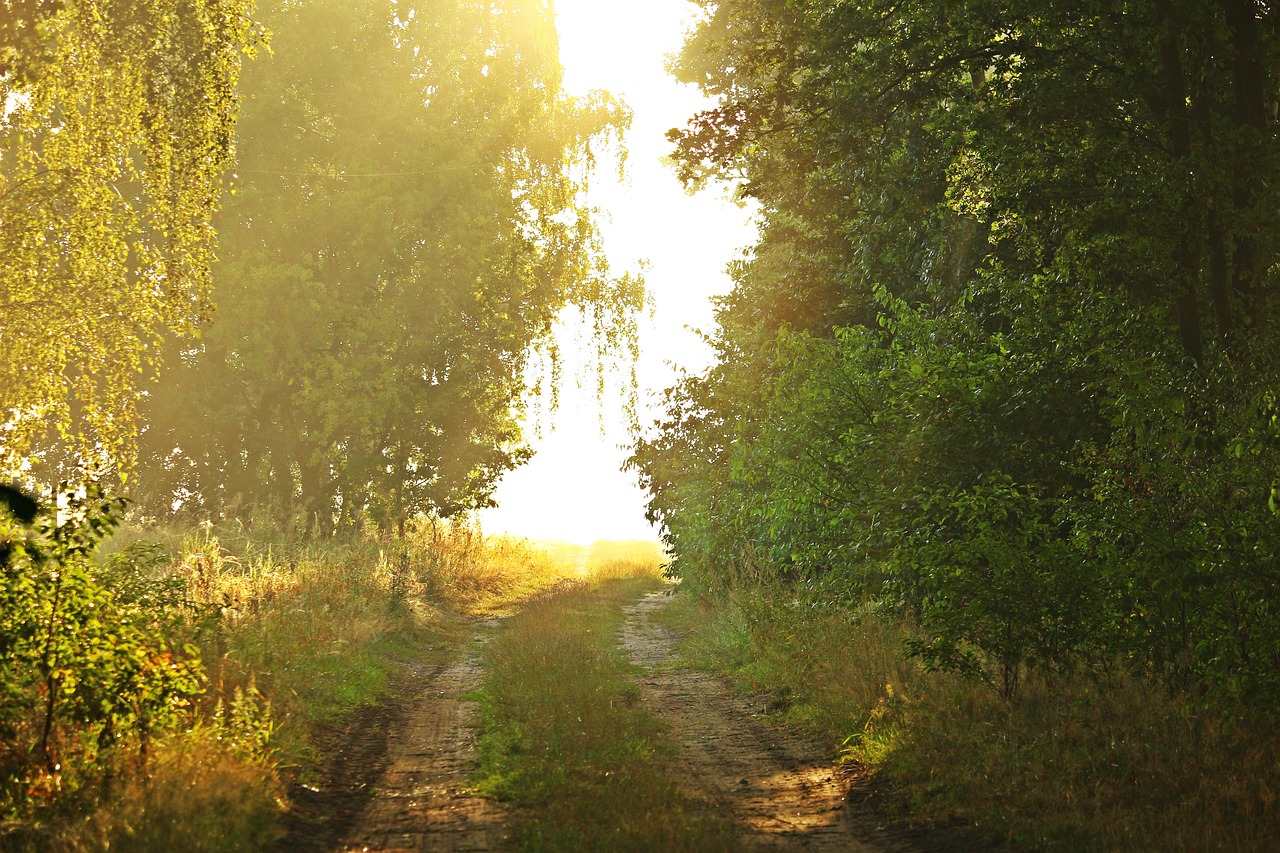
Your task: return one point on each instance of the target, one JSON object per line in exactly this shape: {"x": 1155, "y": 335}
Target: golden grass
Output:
{"x": 1072, "y": 764}
{"x": 291, "y": 634}
{"x": 314, "y": 629}
{"x": 198, "y": 797}
{"x": 458, "y": 565}
{"x": 623, "y": 560}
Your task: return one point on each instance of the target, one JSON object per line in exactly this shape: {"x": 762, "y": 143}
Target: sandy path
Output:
{"x": 784, "y": 793}
{"x": 421, "y": 802}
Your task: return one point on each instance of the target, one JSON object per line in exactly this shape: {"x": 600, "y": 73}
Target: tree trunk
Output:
{"x": 1186, "y": 298}
{"x": 1213, "y": 196}
{"x": 1220, "y": 278}
{"x": 317, "y": 497}
{"x": 1248, "y": 102}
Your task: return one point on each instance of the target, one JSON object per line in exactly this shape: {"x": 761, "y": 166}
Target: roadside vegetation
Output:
{"x": 985, "y": 469}
{"x": 190, "y": 668}
{"x": 1077, "y": 762}
{"x": 388, "y": 239}
{"x": 564, "y": 740}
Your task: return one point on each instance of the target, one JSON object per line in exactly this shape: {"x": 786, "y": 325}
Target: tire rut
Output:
{"x": 421, "y": 802}
{"x": 783, "y": 792}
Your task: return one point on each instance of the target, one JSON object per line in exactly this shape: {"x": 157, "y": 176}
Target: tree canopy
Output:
{"x": 116, "y": 131}
{"x": 1003, "y": 357}
{"x": 406, "y": 225}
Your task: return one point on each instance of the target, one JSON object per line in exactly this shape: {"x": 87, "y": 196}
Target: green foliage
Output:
{"x": 80, "y": 671}
{"x": 1180, "y": 515}
{"x": 405, "y": 228}
{"x": 1003, "y": 359}
{"x": 116, "y": 129}
{"x": 988, "y": 572}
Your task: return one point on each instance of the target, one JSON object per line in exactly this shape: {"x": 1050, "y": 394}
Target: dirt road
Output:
{"x": 784, "y": 795}
{"x": 421, "y": 802}
{"x": 782, "y": 792}
{"x": 395, "y": 775}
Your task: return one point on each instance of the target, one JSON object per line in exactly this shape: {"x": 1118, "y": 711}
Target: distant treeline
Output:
{"x": 394, "y": 197}
{"x": 1004, "y": 359}
{"x": 405, "y": 228}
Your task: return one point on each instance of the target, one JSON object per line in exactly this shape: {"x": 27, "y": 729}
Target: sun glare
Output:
{"x": 573, "y": 488}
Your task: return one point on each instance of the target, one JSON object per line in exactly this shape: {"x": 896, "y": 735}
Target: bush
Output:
{"x": 80, "y": 675}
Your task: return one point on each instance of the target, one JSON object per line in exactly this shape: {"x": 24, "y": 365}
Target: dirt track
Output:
{"x": 397, "y": 773}
{"x": 784, "y": 793}
{"x": 421, "y": 802}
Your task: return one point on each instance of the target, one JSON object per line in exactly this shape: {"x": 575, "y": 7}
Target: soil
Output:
{"x": 398, "y": 783}
{"x": 353, "y": 757}
{"x": 782, "y": 790}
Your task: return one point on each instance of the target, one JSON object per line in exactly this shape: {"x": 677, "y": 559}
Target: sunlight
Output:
{"x": 573, "y": 488}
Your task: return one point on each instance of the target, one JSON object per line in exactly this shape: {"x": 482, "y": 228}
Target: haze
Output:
{"x": 574, "y": 488}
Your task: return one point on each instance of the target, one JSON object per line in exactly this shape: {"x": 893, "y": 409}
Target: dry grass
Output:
{"x": 291, "y": 634}
{"x": 458, "y": 565}
{"x": 316, "y": 629}
{"x": 844, "y": 674}
{"x": 624, "y": 560}
{"x": 198, "y": 797}
{"x": 1073, "y": 764}
{"x": 320, "y": 629}
{"x": 1077, "y": 765}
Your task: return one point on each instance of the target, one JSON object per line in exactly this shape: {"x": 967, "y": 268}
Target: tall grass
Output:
{"x": 622, "y": 560}
{"x": 479, "y": 574}
{"x": 199, "y": 796}
{"x": 293, "y": 634}
{"x": 1073, "y": 763}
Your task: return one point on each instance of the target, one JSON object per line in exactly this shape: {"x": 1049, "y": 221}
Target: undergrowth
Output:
{"x": 285, "y": 634}
{"x": 1071, "y": 763}
{"x": 563, "y": 738}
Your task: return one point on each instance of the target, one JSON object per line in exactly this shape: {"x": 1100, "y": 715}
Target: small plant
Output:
{"x": 80, "y": 673}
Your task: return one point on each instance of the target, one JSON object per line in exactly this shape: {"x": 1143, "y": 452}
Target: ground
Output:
{"x": 396, "y": 777}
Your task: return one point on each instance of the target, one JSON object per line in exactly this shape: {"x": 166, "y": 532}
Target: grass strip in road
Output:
{"x": 565, "y": 742}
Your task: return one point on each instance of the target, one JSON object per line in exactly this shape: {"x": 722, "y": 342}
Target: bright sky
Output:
{"x": 574, "y": 488}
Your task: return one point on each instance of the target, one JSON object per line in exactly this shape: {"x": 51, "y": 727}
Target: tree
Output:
{"x": 1005, "y": 352}
{"x": 406, "y": 227}
{"x": 116, "y": 133}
